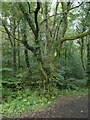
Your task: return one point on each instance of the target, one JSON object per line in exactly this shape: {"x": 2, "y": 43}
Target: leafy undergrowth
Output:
{"x": 28, "y": 101}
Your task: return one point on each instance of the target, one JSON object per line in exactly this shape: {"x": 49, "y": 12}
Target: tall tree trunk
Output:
{"x": 47, "y": 47}
{"x": 24, "y": 34}
{"x": 88, "y": 60}
{"x": 35, "y": 29}
{"x": 27, "y": 57}
{"x": 14, "y": 50}
{"x": 82, "y": 48}
{"x": 18, "y": 45}
{"x": 65, "y": 75}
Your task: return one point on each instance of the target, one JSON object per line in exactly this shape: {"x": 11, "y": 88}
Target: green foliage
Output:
{"x": 25, "y": 99}
{"x": 6, "y": 7}
{"x": 30, "y": 77}
{"x": 73, "y": 83}
{"x": 69, "y": 72}
{"x": 54, "y": 69}
{"x": 32, "y": 101}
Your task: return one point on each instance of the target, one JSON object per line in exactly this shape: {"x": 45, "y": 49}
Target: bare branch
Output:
{"x": 61, "y": 13}
{"x": 75, "y": 7}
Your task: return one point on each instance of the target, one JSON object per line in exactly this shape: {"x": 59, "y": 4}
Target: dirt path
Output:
{"x": 65, "y": 107}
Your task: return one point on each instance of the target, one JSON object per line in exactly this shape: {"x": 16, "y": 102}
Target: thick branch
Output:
{"x": 26, "y": 16}
{"x": 81, "y": 35}
{"x": 29, "y": 7}
{"x": 36, "y": 14}
{"x": 28, "y": 46}
{"x": 57, "y": 4}
{"x": 65, "y": 22}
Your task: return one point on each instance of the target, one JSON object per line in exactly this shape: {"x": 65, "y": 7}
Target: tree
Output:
{"x": 47, "y": 44}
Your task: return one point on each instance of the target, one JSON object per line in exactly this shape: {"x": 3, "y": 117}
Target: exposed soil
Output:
{"x": 65, "y": 107}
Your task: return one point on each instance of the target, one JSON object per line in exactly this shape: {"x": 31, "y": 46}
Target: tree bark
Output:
{"x": 82, "y": 48}
{"x": 24, "y": 39}
{"x": 80, "y": 35}
{"x": 27, "y": 58}
{"x": 18, "y": 44}
{"x": 88, "y": 60}
{"x": 64, "y": 22}
{"x": 14, "y": 50}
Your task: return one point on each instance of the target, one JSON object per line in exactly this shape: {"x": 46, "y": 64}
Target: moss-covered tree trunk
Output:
{"x": 88, "y": 60}
{"x": 14, "y": 50}
{"x": 50, "y": 58}
{"x": 82, "y": 48}
{"x": 18, "y": 45}
{"x": 24, "y": 39}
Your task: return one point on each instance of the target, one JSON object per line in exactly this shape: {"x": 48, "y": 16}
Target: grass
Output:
{"x": 28, "y": 101}
{"x": 79, "y": 91}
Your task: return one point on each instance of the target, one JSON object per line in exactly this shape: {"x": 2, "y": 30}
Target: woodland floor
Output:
{"x": 64, "y": 107}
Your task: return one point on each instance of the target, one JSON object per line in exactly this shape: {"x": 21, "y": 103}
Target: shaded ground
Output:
{"x": 65, "y": 107}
